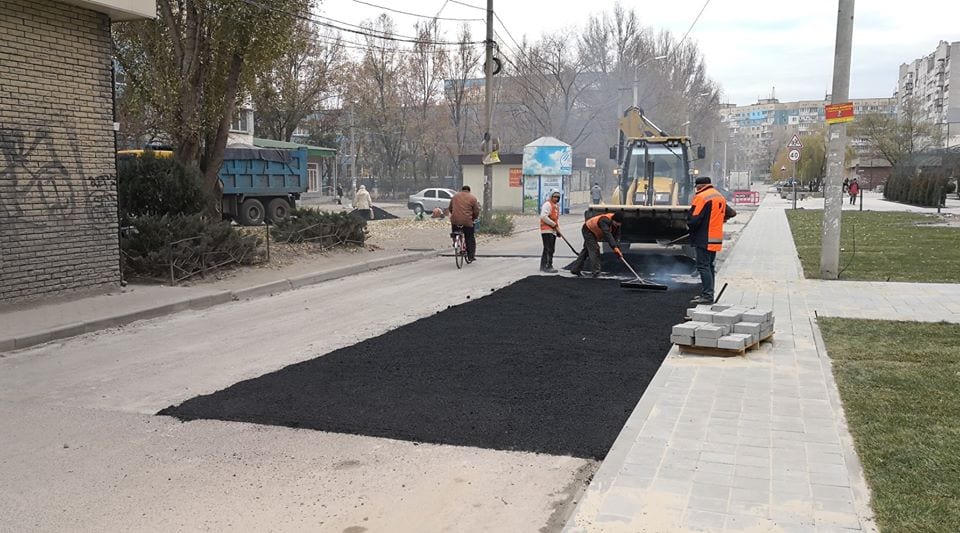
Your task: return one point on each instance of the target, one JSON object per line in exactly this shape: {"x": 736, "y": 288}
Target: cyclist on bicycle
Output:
{"x": 464, "y": 209}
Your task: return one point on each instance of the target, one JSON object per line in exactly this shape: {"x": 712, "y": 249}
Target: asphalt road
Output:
{"x": 81, "y": 448}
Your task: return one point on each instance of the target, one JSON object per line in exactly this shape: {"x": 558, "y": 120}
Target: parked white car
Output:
{"x": 430, "y": 199}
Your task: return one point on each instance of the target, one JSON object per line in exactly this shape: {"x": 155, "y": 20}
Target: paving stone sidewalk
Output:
{"x": 754, "y": 443}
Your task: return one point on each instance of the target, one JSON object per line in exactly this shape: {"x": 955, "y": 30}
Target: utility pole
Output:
{"x": 488, "y": 115}
{"x": 353, "y": 148}
{"x": 836, "y": 146}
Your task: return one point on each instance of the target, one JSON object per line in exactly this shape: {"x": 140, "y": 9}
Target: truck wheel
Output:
{"x": 251, "y": 212}
{"x": 417, "y": 209}
{"x": 278, "y": 209}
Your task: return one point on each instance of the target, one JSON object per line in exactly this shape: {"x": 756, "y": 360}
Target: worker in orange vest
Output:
{"x": 549, "y": 231}
{"x": 600, "y": 227}
{"x": 708, "y": 212}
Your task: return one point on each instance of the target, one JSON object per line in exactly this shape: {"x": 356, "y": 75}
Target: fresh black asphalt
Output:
{"x": 548, "y": 364}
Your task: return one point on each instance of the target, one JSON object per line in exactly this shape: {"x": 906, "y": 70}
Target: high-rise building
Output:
{"x": 924, "y": 83}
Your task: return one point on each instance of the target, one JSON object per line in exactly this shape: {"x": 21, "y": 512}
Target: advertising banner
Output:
{"x": 547, "y": 160}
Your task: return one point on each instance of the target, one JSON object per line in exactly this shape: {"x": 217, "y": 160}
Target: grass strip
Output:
{"x": 900, "y": 385}
{"x": 882, "y": 246}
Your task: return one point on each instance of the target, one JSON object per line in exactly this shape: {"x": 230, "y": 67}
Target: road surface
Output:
{"x": 81, "y": 448}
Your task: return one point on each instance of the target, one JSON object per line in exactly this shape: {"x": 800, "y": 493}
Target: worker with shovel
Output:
{"x": 549, "y": 231}
{"x": 600, "y": 227}
{"x": 708, "y": 212}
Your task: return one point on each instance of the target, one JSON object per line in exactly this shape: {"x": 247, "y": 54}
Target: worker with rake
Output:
{"x": 601, "y": 227}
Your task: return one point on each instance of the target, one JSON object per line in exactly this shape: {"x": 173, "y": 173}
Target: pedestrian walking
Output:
{"x": 339, "y": 195}
{"x": 596, "y": 194}
{"x": 464, "y": 209}
{"x": 854, "y": 189}
{"x": 601, "y": 227}
{"x": 363, "y": 203}
{"x": 846, "y": 185}
{"x": 549, "y": 231}
{"x": 708, "y": 212}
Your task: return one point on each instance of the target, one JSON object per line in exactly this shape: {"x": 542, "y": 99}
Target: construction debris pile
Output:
{"x": 723, "y": 327}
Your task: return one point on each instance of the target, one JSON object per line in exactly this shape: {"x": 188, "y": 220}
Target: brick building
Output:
{"x": 58, "y": 190}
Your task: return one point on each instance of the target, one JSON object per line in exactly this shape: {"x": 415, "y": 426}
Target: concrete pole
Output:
{"x": 723, "y": 171}
{"x": 353, "y": 149}
{"x": 836, "y": 146}
{"x": 488, "y": 115}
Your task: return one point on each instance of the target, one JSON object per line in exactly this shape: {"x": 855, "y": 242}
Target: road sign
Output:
{"x": 795, "y": 142}
{"x": 794, "y": 155}
{"x": 837, "y": 113}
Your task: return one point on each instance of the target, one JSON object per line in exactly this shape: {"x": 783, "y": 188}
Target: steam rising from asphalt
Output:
{"x": 674, "y": 270}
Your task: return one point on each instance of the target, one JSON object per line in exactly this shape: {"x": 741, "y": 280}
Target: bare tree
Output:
{"x": 298, "y": 84}
{"x": 897, "y": 139}
{"x": 380, "y": 111}
{"x": 461, "y": 95}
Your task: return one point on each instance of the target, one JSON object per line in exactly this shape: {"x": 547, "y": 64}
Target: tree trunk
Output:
{"x": 213, "y": 152}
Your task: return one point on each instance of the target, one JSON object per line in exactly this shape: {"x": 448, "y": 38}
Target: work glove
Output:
{"x": 557, "y": 231}
{"x": 618, "y": 252}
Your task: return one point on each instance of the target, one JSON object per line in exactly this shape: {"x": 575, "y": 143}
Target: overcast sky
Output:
{"x": 751, "y": 46}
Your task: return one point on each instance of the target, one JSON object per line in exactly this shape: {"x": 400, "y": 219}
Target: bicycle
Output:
{"x": 459, "y": 246}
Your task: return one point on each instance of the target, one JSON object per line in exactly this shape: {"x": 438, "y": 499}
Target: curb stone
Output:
{"x": 208, "y": 300}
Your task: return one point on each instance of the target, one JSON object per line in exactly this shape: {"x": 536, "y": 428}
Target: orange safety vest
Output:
{"x": 593, "y": 225}
{"x": 554, "y": 216}
{"x": 718, "y": 210}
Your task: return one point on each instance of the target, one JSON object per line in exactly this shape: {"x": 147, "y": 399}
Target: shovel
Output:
{"x": 639, "y": 283}
{"x": 664, "y": 242}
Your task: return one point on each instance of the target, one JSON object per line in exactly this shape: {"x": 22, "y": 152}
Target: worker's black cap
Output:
{"x": 618, "y": 216}
{"x": 703, "y": 180}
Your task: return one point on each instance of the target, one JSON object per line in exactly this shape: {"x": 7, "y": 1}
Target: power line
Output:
{"x": 385, "y": 8}
{"x": 445, "y": 2}
{"x": 504, "y": 26}
{"x": 694, "y": 23}
{"x": 468, "y": 5}
{"x": 365, "y": 32}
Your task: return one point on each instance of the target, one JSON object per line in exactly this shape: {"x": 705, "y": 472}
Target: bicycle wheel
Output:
{"x": 458, "y": 251}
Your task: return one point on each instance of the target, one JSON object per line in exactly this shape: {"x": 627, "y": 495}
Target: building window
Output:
{"x": 313, "y": 177}
{"x": 241, "y": 121}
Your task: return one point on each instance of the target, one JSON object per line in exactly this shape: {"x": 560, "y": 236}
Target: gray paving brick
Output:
{"x": 703, "y": 503}
{"x": 757, "y": 472}
{"x": 713, "y": 478}
{"x": 714, "y": 457}
{"x": 747, "y": 495}
{"x": 706, "y": 490}
{"x": 703, "y": 520}
{"x": 830, "y": 478}
{"x": 829, "y": 492}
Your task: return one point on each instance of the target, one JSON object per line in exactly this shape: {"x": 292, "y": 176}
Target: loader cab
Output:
{"x": 656, "y": 173}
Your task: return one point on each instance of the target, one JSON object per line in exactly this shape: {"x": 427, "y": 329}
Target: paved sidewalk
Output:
{"x": 28, "y": 325}
{"x": 757, "y": 443}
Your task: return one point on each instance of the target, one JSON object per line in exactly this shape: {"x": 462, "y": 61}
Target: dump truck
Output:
{"x": 261, "y": 183}
{"x": 655, "y": 184}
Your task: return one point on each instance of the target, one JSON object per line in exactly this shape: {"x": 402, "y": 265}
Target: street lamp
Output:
{"x": 636, "y": 78}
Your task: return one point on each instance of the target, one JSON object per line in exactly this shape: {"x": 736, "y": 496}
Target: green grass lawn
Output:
{"x": 900, "y": 385}
{"x": 889, "y": 246}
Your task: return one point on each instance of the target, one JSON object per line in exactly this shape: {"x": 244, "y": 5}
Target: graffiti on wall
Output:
{"x": 48, "y": 182}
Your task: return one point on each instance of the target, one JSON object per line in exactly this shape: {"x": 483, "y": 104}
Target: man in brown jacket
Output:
{"x": 464, "y": 209}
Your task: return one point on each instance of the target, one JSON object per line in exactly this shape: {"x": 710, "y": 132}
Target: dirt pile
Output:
{"x": 548, "y": 364}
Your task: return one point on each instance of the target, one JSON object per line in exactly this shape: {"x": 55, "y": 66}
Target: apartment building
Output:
{"x": 926, "y": 81}
{"x": 769, "y": 116}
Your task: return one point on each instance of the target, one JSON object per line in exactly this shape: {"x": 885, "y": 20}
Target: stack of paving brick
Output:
{"x": 723, "y": 327}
